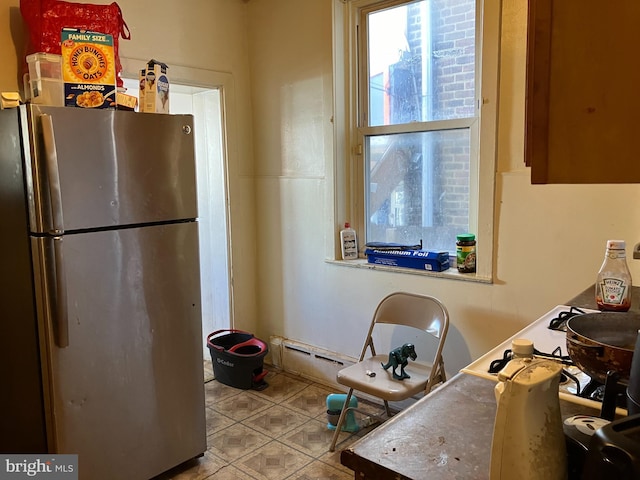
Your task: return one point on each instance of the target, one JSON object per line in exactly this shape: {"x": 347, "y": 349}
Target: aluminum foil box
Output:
{"x": 419, "y": 259}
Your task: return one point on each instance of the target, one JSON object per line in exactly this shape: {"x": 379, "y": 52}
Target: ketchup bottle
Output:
{"x": 613, "y": 283}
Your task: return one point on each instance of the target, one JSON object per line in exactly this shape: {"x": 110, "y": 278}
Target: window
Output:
{"x": 421, "y": 78}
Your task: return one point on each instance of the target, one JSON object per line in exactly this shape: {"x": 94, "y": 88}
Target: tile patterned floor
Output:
{"x": 275, "y": 434}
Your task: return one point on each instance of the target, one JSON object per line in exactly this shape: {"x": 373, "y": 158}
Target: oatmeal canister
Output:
{"x": 88, "y": 69}
{"x": 466, "y": 252}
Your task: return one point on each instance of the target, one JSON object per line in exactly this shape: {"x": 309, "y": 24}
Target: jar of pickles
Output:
{"x": 466, "y": 252}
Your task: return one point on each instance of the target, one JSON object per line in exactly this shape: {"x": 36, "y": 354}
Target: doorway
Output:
{"x": 206, "y": 106}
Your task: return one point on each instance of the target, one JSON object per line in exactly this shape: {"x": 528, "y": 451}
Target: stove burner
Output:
{"x": 566, "y": 376}
{"x": 496, "y": 365}
{"x": 560, "y": 322}
{"x": 611, "y": 394}
{"x": 556, "y": 355}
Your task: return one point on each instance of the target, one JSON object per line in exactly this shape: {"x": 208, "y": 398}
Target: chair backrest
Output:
{"x": 418, "y": 311}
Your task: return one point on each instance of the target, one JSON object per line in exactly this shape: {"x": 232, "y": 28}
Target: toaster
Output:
{"x": 614, "y": 451}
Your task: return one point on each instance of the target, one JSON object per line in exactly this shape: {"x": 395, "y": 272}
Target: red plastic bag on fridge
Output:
{"x": 46, "y": 19}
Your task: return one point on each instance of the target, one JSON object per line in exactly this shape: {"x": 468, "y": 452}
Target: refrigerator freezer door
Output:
{"x": 128, "y": 390}
{"x": 114, "y": 168}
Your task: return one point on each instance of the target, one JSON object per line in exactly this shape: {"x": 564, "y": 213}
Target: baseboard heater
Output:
{"x": 315, "y": 364}
{"x": 308, "y": 361}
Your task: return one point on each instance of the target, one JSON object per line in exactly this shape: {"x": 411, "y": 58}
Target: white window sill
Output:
{"x": 451, "y": 273}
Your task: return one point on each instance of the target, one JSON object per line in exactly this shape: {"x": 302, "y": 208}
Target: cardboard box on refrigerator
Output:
{"x": 419, "y": 259}
{"x": 142, "y": 83}
{"x": 154, "y": 97}
{"x": 88, "y": 69}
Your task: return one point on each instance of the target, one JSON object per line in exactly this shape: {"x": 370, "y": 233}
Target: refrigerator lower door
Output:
{"x": 127, "y": 393}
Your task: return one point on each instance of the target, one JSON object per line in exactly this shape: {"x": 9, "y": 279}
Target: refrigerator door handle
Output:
{"x": 53, "y": 174}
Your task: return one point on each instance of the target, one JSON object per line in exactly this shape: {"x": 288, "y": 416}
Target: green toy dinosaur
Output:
{"x": 400, "y": 356}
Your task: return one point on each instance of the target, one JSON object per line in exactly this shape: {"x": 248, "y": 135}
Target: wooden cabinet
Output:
{"x": 583, "y": 91}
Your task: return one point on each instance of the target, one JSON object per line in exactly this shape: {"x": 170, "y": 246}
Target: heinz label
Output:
{"x": 613, "y": 290}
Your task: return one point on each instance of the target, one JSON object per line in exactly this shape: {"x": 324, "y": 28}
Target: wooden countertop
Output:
{"x": 445, "y": 435}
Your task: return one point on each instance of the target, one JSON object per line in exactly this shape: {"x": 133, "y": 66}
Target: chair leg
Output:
{"x": 387, "y": 409}
{"x": 442, "y": 375}
{"x": 442, "y": 372}
{"x": 439, "y": 377}
{"x": 343, "y": 414}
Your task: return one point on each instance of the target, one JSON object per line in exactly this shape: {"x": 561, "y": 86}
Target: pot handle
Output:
{"x": 599, "y": 349}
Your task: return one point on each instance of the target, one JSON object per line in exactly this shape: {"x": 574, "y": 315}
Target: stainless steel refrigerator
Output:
{"x": 100, "y": 317}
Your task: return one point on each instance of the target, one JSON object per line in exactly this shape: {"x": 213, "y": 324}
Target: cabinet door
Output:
{"x": 583, "y": 91}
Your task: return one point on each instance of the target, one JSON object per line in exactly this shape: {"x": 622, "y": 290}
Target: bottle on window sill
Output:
{"x": 613, "y": 283}
{"x": 348, "y": 243}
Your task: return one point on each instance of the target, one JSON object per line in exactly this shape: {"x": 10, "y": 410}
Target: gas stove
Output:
{"x": 549, "y": 340}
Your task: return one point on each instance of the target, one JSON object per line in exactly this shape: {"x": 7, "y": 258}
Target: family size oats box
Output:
{"x": 154, "y": 95}
{"x": 88, "y": 69}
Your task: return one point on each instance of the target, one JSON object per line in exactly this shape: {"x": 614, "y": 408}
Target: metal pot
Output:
{"x": 633, "y": 390}
{"x": 601, "y": 342}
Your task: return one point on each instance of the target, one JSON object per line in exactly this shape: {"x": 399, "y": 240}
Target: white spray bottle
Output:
{"x": 348, "y": 243}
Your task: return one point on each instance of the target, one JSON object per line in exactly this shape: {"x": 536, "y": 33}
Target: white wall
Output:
{"x": 549, "y": 240}
{"x": 210, "y": 34}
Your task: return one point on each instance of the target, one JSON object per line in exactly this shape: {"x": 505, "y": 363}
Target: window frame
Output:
{"x": 349, "y": 162}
